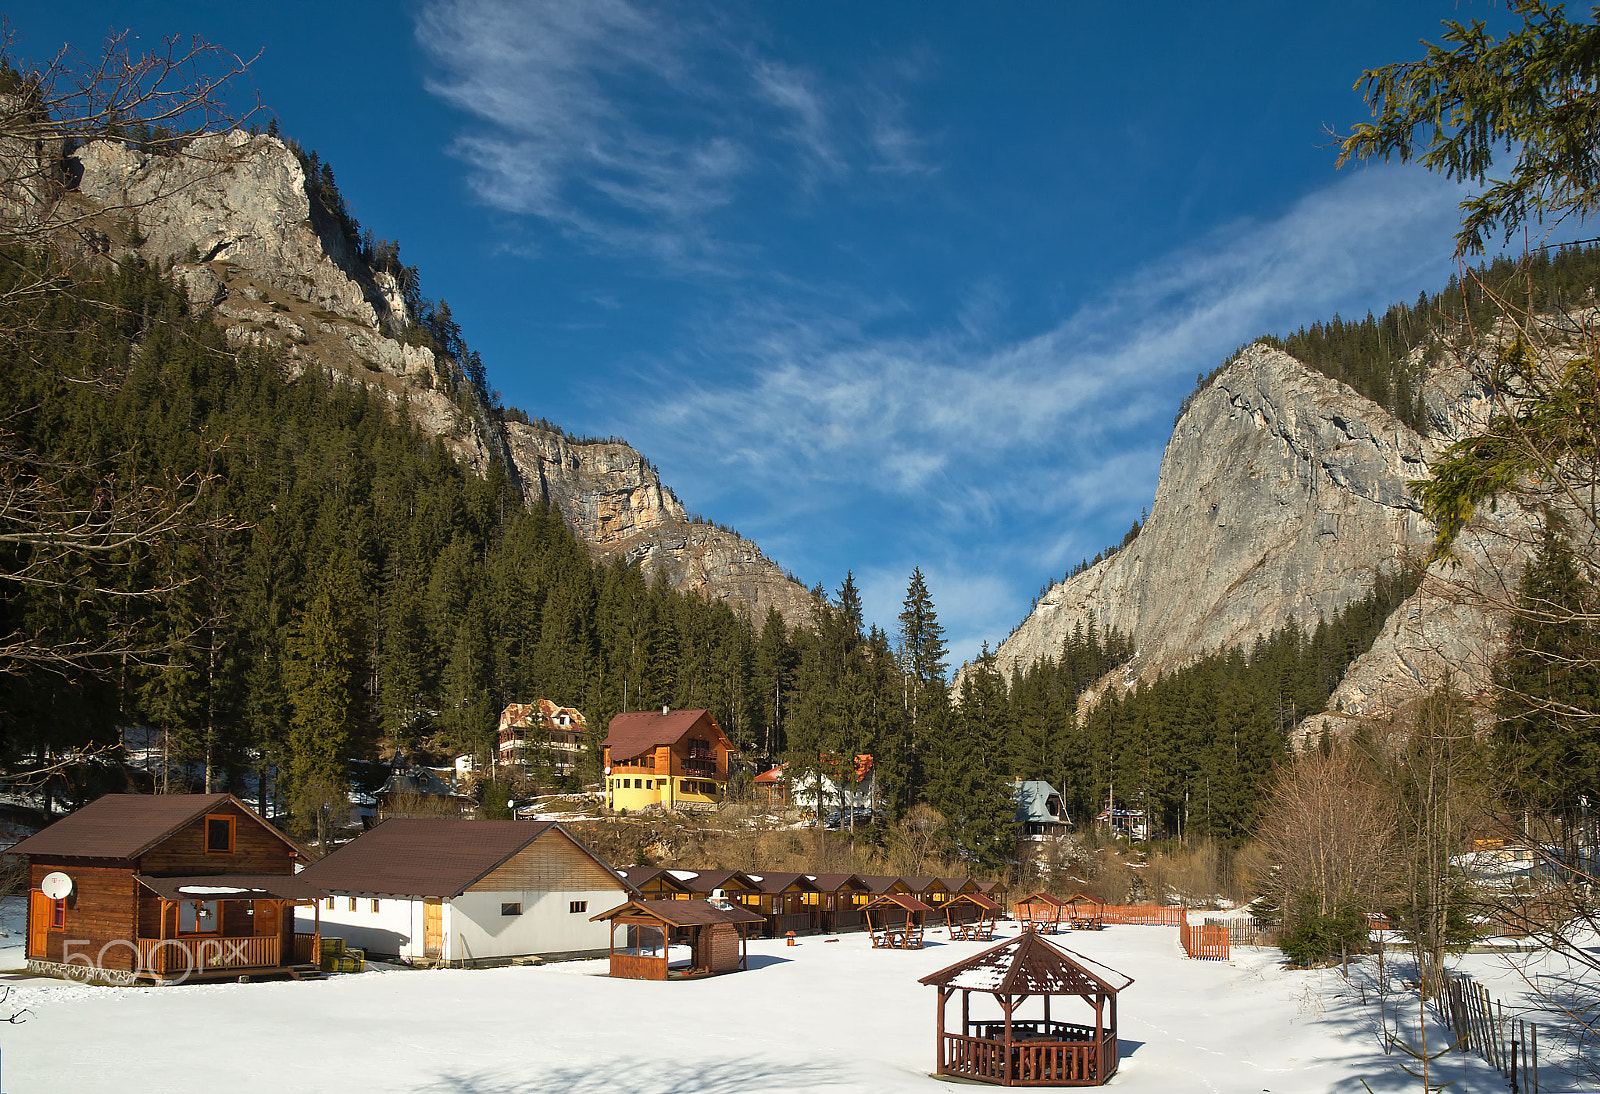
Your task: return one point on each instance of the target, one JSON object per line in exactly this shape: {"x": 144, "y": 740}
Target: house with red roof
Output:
{"x": 667, "y": 759}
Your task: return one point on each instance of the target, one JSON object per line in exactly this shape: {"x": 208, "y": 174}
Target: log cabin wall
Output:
{"x": 552, "y": 863}
{"x": 256, "y": 849}
{"x": 101, "y": 910}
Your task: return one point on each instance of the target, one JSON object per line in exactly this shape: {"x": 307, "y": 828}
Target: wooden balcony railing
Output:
{"x": 172, "y": 956}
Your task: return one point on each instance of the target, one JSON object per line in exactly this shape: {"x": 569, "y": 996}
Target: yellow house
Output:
{"x": 671, "y": 759}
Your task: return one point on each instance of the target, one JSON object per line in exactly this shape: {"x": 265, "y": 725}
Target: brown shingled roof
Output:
{"x": 683, "y": 913}
{"x": 637, "y": 732}
{"x": 125, "y": 826}
{"x": 427, "y": 856}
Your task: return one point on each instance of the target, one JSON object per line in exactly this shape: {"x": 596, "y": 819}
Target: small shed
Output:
{"x": 1010, "y": 1049}
{"x": 971, "y": 917}
{"x": 1038, "y": 912}
{"x": 896, "y": 921}
{"x": 714, "y": 931}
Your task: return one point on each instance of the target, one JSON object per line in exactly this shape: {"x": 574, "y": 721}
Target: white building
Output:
{"x": 449, "y": 891}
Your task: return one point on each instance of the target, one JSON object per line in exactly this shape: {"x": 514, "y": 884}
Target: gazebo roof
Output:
{"x": 1028, "y": 965}
{"x": 979, "y": 899}
{"x": 1041, "y": 898}
{"x": 900, "y": 900}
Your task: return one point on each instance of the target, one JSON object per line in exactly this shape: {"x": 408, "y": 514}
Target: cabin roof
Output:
{"x": 640, "y": 876}
{"x": 832, "y": 883}
{"x": 880, "y": 883}
{"x": 777, "y": 883}
{"x": 1033, "y": 803}
{"x": 683, "y": 913}
{"x": 636, "y": 732}
{"x": 429, "y": 856}
{"x": 705, "y": 881}
{"x": 979, "y": 899}
{"x": 1029, "y": 965}
{"x": 229, "y": 887}
{"x": 125, "y": 826}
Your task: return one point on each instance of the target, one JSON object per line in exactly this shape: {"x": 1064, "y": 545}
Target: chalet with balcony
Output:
{"x": 671, "y": 759}
{"x": 531, "y": 734}
{"x": 167, "y": 888}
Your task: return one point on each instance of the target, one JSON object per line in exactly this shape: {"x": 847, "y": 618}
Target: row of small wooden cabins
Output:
{"x": 807, "y": 903}
{"x": 199, "y": 885}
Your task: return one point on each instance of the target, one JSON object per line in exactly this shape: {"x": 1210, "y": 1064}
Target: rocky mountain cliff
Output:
{"x": 248, "y": 239}
{"x": 1281, "y": 493}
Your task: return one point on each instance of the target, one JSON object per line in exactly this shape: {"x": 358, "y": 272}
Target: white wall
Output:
{"x": 473, "y": 927}
{"x": 546, "y": 925}
{"x": 395, "y": 928}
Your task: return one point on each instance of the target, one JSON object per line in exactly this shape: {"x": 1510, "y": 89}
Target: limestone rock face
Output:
{"x": 617, "y": 503}
{"x": 276, "y": 272}
{"x": 239, "y": 200}
{"x": 1280, "y": 491}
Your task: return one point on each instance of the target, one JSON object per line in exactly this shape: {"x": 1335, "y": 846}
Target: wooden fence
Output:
{"x": 1206, "y": 942}
{"x": 1144, "y": 915}
{"x": 1480, "y": 1026}
{"x": 1245, "y": 932}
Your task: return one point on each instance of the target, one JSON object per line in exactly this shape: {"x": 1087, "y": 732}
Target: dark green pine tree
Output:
{"x": 1548, "y": 734}
{"x": 968, "y": 781}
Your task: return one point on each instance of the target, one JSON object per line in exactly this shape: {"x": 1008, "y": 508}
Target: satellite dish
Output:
{"x": 608, "y": 770}
{"x": 56, "y": 885}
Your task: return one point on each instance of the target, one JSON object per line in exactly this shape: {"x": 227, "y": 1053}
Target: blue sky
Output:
{"x": 881, "y": 285}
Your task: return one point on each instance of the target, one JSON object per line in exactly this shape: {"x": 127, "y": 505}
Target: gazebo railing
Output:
{"x": 1064, "y": 1055}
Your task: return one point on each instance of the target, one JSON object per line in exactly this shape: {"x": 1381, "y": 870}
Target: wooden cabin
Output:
{"x": 738, "y": 886}
{"x": 1039, "y": 912}
{"x": 994, "y": 890}
{"x": 169, "y": 887}
{"x": 782, "y": 900}
{"x": 930, "y": 890}
{"x": 896, "y": 921}
{"x": 453, "y": 892}
{"x": 842, "y": 897}
{"x": 654, "y": 883}
{"x": 710, "y": 936}
{"x": 1020, "y": 1042}
{"x": 672, "y": 759}
{"x": 883, "y": 884}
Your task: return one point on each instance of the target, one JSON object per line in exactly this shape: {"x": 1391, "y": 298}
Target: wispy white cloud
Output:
{"x": 1051, "y": 441}
{"x": 629, "y": 128}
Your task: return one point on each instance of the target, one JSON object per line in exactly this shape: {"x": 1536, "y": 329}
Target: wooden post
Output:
{"x": 1005, "y": 1003}
{"x": 944, "y": 996}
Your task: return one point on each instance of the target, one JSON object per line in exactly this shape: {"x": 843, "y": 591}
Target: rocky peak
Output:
{"x": 234, "y": 213}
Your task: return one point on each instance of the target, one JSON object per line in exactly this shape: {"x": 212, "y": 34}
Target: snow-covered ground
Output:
{"x": 832, "y": 1016}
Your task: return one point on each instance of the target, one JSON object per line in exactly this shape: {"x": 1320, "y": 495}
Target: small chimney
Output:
{"x": 666, "y": 709}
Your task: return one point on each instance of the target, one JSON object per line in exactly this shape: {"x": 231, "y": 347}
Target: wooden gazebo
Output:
{"x": 1040, "y": 912}
{"x": 714, "y": 931}
{"x": 1086, "y": 913}
{"x": 1038, "y": 1050}
{"x": 971, "y": 917}
{"x": 895, "y": 921}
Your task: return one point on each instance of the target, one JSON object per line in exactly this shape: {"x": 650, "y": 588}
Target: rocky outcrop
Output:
{"x": 250, "y": 243}
{"x": 617, "y": 503}
{"x": 1281, "y": 491}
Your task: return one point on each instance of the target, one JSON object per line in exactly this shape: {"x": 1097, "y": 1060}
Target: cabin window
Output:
{"x": 330, "y": 904}
{"x": 511, "y": 908}
{"x": 352, "y": 904}
{"x": 576, "y": 906}
{"x": 198, "y": 917}
{"x": 683, "y": 787}
{"x": 374, "y": 908}
{"x": 219, "y": 835}
{"x": 58, "y": 915}
{"x": 650, "y": 762}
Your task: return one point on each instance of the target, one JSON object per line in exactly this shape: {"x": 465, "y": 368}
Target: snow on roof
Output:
{"x": 684, "y": 875}
{"x": 209, "y": 890}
